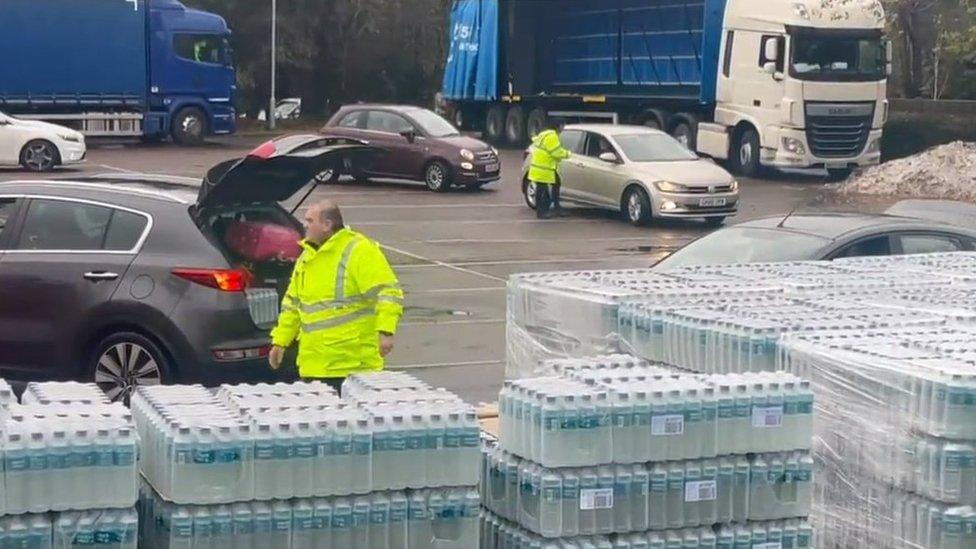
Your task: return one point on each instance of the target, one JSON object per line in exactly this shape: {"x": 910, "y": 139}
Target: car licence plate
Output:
{"x": 493, "y": 167}
{"x": 711, "y": 202}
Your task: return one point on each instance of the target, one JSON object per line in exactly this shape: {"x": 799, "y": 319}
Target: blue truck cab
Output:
{"x": 122, "y": 68}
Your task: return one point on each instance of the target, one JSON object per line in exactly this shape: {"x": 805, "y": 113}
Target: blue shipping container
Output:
{"x": 78, "y": 50}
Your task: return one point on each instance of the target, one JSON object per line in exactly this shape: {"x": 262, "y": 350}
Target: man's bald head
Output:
{"x": 329, "y": 211}
{"x": 322, "y": 220}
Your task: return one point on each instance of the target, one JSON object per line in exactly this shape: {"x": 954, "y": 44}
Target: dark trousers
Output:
{"x": 546, "y": 200}
{"x": 334, "y": 382}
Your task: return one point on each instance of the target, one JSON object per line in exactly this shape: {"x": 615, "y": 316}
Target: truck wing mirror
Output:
{"x": 771, "y": 49}
{"x": 769, "y": 68}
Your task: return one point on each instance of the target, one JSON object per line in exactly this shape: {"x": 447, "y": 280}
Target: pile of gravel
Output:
{"x": 947, "y": 171}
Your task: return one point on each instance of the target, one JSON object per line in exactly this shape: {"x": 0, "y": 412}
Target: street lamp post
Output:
{"x": 274, "y": 62}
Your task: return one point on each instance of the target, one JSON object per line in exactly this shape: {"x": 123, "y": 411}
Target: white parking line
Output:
{"x": 477, "y": 222}
{"x": 451, "y": 322}
{"x": 525, "y": 240}
{"x": 115, "y": 169}
{"x": 511, "y": 262}
{"x": 437, "y": 263}
{"x": 445, "y": 364}
{"x": 437, "y": 206}
{"x": 457, "y": 290}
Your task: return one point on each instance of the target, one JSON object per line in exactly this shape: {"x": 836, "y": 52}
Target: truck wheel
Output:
{"x": 515, "y": 126}
{"x": 654, "y": 119}
{"x": 189, "y": 126}
{"x": 537, "y": 122}
{"x": 685, "y": 130}
{"x": 495, "y": 124}
{"x": 745, "y": 158}
{"x": 39, "y": 156}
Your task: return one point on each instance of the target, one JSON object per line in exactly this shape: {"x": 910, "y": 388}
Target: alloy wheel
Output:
{"x": 123, "y": 367}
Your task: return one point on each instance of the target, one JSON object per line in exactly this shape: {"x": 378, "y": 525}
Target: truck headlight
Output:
{"x": 467, "y": 155}
{"x": 874, "y": 146}
{"x": 794, "y": 145}
{"x": 670, "y": 187}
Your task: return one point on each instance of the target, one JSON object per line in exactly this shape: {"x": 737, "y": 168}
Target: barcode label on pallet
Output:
{"x": 771, "y": 416}
{"x": 668, "y": 425}
{"x": 701, "y": 490}
{"x": 596, "y": 498}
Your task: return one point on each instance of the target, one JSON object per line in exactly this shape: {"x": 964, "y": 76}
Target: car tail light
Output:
{"x": 231, "y": 355}
{"x": 225, "y": 280}
{"x": 265, "y": 150}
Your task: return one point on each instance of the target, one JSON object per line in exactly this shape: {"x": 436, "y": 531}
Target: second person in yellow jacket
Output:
{"x": 547, "y": 153}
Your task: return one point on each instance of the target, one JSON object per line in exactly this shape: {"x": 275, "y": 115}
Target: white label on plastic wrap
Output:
{"x": 668, "y": 425}
{"x": 770, "y": 545}
{"x": 701, "y": 490}
{"x": 596, "y": 498}
{"x": 767, "y": 417}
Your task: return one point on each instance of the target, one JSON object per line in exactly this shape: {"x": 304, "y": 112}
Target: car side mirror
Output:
{"x": 609, "y": 157}
{"x": 409, "y": 135}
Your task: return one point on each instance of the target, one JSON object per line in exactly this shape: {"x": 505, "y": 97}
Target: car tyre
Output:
{"x": 745, "y": 157}
{"x": 715, "y": 221}
{"x": 189, "y": 127}
{"x": 40, "y": 155}
{"x": 636, "y": 207}
{"x": 528, "y": 192}
{"x": 437, "y": 176}
{"x": 125, "y": 360}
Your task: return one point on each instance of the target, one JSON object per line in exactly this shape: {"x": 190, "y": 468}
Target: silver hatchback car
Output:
{"x": 641, "y": 172}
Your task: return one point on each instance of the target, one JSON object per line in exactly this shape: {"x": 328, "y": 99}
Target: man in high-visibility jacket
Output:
{"x": 547, "y": 153}
{"x": 342, "y": 305}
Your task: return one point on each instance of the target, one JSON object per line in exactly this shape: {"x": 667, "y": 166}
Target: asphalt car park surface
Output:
{"x": 454, "y": 251}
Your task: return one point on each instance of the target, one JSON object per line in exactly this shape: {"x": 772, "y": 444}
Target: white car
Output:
{"x": 641, "y": 172}
{"x": 38, "y": 146}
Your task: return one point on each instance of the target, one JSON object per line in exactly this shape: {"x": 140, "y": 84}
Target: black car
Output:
{"x": 813, "y": 236}
{"x": 128, "y": 279}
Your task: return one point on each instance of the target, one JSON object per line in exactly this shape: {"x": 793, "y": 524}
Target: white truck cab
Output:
{"x": 800, "y": 84}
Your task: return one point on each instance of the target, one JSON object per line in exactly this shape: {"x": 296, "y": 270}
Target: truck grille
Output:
{"x": 264, "y": 306}
{"x": 838, "y": 130}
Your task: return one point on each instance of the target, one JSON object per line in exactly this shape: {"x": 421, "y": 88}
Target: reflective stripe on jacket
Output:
{"x": 547, "y": 152}
{"x": 340, "y": 296}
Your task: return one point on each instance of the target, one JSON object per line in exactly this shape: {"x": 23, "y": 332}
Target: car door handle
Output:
{"x": 100, "y": 275}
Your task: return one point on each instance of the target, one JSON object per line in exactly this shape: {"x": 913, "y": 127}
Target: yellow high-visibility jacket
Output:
{"x": 547, "y": 152}
{"x": 340, "y": 297}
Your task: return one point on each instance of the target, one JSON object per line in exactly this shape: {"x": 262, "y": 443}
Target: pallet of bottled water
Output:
{"x": 7, "y": 399}
{"x": 788, "y": 534}
{"x": 300, "y": 440}
{"x": 572, "y": 501}
{"x": 98, "y": 529}
{"x": 63, "y": 392}
{"x": 596, "y": 413}
{"x": 68, "y": 456}
{"x": 441, "y": 518}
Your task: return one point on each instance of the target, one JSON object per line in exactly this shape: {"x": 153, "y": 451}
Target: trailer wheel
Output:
{"x": 537, "y": 122}
{"x": 654, "y": 119}
{"x": 515, "y": 126}
{"x": 495, "y": 124}
{"x": 189, "y": 126}
{"x": 685, "y": 130}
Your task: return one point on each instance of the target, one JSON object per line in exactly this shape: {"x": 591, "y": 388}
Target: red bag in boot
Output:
{"x": 255, "y": 241}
